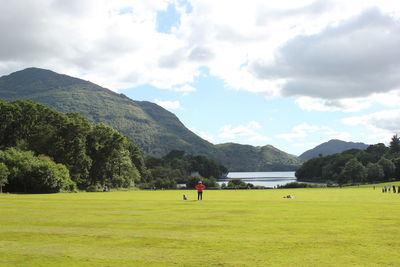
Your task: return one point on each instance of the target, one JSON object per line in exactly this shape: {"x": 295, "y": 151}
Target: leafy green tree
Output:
{"x": 375, "y": 172}
{"x": 112, "y": 164}
{"x": 3, "y": 176}
{"x": 109, "y": 158}
{"x": 210, "y": 182}
{"x": 311, "y": 170}
{"x": 396, "y": 162}
{"x": 236, "y": 183}
{"x": 376, "y": 152}
{"x": 31, "y": 174}
{"x": 353, "y": 171}
{"x": 387, "y": 166}
{"x": 192, "y": 181}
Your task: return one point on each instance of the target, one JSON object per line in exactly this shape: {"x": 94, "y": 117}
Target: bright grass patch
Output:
{"x": 319, "y": 227}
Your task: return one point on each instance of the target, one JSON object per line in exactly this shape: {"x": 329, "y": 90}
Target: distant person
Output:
{"x": 394, "y": 189}
{"x": 184, "y": 197}
{"x": 200, "y": 186}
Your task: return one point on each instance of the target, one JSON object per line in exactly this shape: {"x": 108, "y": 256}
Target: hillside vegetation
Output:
{"x": 331, "y": 147}
{"x": 89, "y": 154}
{"x": 153, "y": 129}
{"x": 378, "y": 163}
{"x": 265, "y": 158}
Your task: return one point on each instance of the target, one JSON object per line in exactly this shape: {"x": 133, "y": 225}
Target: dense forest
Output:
{"x": 45, "y": 151}
{"x": 93, "y": 154}
{"x": 378, "y": 163}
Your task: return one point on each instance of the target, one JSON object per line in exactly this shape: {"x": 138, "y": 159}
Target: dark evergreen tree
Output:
{"x": 395, "y": 144}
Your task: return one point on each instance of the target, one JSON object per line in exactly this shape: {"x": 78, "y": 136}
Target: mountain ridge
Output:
{"x": 330, "y": 147}
{"x": 155, "y": 130}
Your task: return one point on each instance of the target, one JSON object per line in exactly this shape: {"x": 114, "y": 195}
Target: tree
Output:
{"x": 31, "y": 174}
{"x": 93, "y": 154}
{"x": 396, "y": 162}
{"x": 353, "y": 171}
{"x": 376, "y": 152}
{"x": 236, "y": 183}
{"x": 3, "y": 176}
{"x": 112, "y": 160}
{"x": 375, "y": 172}
{"x": 395, "y": 144}
{"x": 387, "y": 166}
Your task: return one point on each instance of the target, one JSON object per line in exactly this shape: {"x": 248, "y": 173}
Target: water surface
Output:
{"x": 268, "y": 179}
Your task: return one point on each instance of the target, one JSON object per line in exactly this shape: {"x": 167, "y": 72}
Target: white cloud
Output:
{"x": 390, "y": 99}
{"x": 168, "y": 104}
{"x": 383, "y": 122}
{"x": 355, "y": 58}
{"x": 184, "y": 89}
{"x": 305, "y": 130}
{"x": 299, "y": 131}
{"x": 380, "y": 125}
{"x": 230, "y": 132}
{"x": 331, "y": 51}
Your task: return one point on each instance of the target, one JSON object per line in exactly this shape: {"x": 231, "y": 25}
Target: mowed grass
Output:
{"x": 319, "y": 227}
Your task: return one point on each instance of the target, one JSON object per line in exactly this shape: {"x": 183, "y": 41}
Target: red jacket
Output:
{"x": 200, "y": 187}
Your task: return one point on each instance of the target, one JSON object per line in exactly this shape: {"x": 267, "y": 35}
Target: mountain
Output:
{"x": 265, "y": 158}
{"x": 155, "y": 130}
{"x": 331, "y": 147}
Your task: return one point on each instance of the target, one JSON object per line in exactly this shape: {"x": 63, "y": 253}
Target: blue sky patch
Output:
{"x": 167, "y": 19}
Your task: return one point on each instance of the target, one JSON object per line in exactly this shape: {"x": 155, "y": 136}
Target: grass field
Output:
{"x": 319, "y": 227}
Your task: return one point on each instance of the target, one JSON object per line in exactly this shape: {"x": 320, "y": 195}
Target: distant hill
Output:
{"x": 265, "y": 158}
{"x": 155, "y": 130}
{"x": 331, "y": 147}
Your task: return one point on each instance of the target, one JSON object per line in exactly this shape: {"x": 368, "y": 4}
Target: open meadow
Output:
{"x": 319, "y": 227}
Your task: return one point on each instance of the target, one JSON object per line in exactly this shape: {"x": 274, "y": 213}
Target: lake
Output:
{"x": 268, "y": 179}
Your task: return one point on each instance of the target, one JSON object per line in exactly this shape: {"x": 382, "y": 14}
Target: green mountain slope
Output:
{"x": 265, "y": 158}
{"x": 155, "y": 130}
{"x": 331, "y": 147}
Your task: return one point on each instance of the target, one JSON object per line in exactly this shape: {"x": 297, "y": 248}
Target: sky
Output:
{"x": 293, "y": 74}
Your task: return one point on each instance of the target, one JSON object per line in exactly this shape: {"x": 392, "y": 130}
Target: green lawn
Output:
{"x": 319, "y": 227}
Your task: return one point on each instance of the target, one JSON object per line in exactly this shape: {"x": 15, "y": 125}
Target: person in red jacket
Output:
{"x": 200, "y": 186}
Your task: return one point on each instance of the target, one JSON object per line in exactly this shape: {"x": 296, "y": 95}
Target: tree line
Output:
{"x": 45, "y": 151}
{"x": 378, "y": 163}
{"x": 39, "y": 144}
{"x": 177, "y": 168}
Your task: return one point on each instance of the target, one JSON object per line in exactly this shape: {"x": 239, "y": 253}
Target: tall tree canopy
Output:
{"x": 93, "y": 154}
